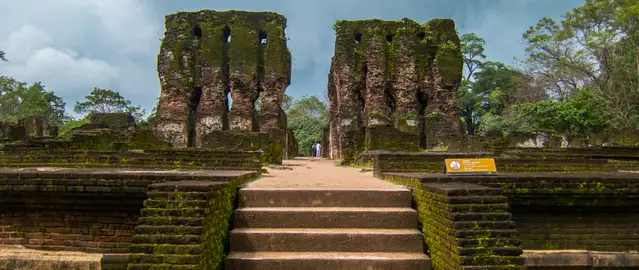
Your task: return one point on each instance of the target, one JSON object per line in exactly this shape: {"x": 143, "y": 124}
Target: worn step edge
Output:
{"x": 325, "y": 209}
{"x": 326, "y": 231}
{"x": 324, "y": 197}
{"x": 326, "y": 240}
{"x": 327, "y": 255}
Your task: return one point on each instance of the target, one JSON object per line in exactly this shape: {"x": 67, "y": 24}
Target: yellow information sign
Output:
{"x": 470, "y": 166}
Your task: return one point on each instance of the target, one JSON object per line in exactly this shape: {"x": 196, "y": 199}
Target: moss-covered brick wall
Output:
{"x": 10, "y": 132}
{"x": 602, "y": 228}
{"x": 185, "y": 225}
{"x": 353, "y": 142}
{"x": 70, "y": 210}
{"x": 559, "y": 210}
{"x": 272, "y": 144}
{"x": 465, "y": 226}
{"x": 431, "y": 162}
{"x": 510, "y": 161}
{"x": 390, "y": 138}
{"x": 390, "y": 74}
{"x": 117, "y": 120}
{"x": 99, "y": 211}
{"x": 292, "y": 146}
{"x": 209, "y": 57}
{"x": 23, "y": 156}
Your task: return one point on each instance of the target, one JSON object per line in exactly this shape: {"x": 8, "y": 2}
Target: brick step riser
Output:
{"x": 307, "y": 242}
{"x": 323, "y": 264}
{"x": 337, "y": 219}
{"x": 324, "y": 198}
{"x": 169, "y": 230}
{"x": 176, "y": 204}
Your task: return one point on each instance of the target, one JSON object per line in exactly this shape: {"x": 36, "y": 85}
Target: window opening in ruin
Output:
{"x": 257, "y": 106}
{"x": 195, "y": 101}
{"x": 226, "y": 34}
{"x": 389, "y": 38}
{"x": 421, "y": 35}
{"x": 197, "y": 31}
{"x": 358, "y": 38}
{"x": 262, "y": 37}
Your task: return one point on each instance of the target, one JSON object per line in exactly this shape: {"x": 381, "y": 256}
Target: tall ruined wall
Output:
{"x": 399, "y": 75}
{"x": 209, "y": 58}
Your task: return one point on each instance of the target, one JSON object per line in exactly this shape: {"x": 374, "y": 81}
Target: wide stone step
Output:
{"x": 326, "y": 217}
{"x": 326, "y": 240}
{"x": 264, "y": 197}
{"x": 326, "y": 260}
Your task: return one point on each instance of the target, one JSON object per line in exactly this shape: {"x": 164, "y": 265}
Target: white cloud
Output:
{"x": 74, "y": 45}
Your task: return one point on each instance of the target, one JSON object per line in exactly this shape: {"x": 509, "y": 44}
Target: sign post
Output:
{"x": 470, "y": 166}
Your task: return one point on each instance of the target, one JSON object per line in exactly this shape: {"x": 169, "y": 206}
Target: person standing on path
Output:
{"x": 313, "y": 149}
{"x": 318, "y": 149}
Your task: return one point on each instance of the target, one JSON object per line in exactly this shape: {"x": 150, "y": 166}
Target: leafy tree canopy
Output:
{"x": 19, "y": 100}
{"x": 307, "y": 117}
{"x": 107, "y": 101}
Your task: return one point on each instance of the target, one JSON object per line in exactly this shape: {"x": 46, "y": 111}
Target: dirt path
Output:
{"x": 318, "y": 173}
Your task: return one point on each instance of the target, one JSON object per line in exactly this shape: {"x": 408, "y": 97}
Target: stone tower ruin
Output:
{"x": 213, "y": 67}
{"x": 392, "y": 86}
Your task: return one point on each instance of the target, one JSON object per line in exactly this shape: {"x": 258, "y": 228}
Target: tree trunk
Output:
{"x": 470, "y": 126}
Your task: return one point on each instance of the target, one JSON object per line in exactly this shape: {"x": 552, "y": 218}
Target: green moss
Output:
{"x": 244, "y": 53}
{"x": 405, "y": 32}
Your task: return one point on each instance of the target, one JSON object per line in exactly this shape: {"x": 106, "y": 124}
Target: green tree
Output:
{"x": 468, "y": 102}
{"x": 472, "y": 47}
{"x": 578, "y": 115}
{"x": 107, "y": 101}
{"x": 595, "y": 48}
{"x": 307, "y": 117}
{"x": 3, "y": 56}
{"x": 19, "y": 100}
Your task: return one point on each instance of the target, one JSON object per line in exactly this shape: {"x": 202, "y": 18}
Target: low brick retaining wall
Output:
{"x": 433, "y": 162}
{"x": 184, "y": 225}
{"x": 90, "y": 210}
{"x": 579, "y": 259}
{"x": 467, "y": 226}
{"x": 553, "y": 211}
{"x": 152, "y": 159}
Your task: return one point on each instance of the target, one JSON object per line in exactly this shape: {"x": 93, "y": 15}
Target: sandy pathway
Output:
{"x": 318, "y": 173}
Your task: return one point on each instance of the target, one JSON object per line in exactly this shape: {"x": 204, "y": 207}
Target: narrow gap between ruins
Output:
{"x": 421, "y": 35}
{"x": 389, "y": 38}
{"x": 358, "y": 37}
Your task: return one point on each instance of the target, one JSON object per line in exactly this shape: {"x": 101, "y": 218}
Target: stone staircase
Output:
{"x": 326, "y": 229}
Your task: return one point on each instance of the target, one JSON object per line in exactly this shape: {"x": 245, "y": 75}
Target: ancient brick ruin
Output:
{"x": 392, "y": 85}
{"x": 213, "y": 67}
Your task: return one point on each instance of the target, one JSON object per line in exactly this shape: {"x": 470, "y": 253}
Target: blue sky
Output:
{"x": 72, "y": 46}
